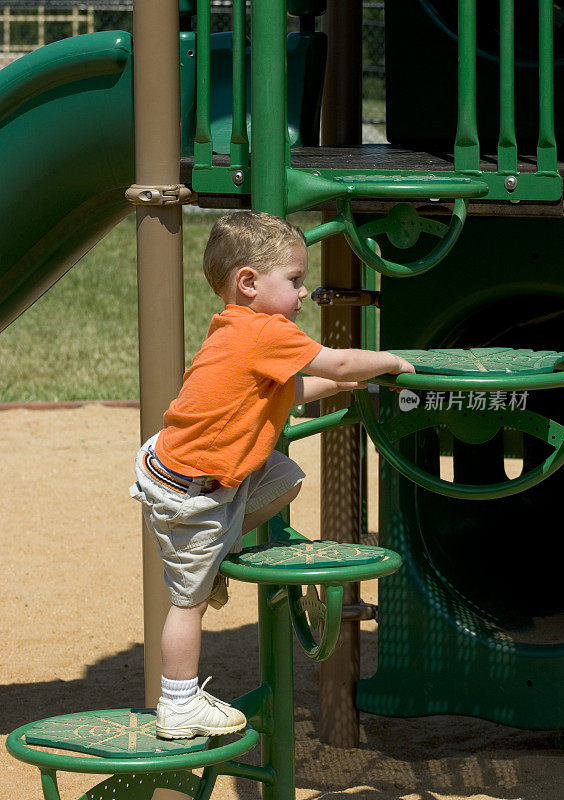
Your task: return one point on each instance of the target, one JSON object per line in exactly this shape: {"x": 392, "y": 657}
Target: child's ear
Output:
{"x": 246, "y": 279}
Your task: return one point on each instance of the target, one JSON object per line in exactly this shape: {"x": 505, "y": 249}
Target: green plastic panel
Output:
{"x": 495, "y": 361}
{"x": 117, "y": 733}
{"x": 472, "y": 623}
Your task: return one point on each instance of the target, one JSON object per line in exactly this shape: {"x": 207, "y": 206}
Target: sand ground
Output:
{"x": 72, "y": 631}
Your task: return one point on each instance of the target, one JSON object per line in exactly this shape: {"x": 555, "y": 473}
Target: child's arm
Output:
{"x": 355, "y": 365}
{"x": 312, "y": 388}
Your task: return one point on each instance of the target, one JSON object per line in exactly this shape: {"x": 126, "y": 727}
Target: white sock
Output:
{"x": 178, "y": 691}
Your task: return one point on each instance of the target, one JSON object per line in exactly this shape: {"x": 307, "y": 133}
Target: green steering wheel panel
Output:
{"x": 403, "y": 226}
{"x": 359, "y": 244}
{"x": 485, "y": 424}
{"x": 331, "y": 617}
{"x": 548, "y": 430}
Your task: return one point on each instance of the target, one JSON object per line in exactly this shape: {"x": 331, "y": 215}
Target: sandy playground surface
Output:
{"x": 71, "y": 617}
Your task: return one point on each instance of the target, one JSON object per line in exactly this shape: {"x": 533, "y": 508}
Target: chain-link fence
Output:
{"x": 27, "y": 24}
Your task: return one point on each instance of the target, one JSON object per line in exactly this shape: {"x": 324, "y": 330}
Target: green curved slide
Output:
{"x": 67, "y": 155}
{"x": 67, "y": 144}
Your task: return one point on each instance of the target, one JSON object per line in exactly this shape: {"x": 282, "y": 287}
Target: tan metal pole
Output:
{"x": 340, "y": 327}
{"x": 159, "y": 265}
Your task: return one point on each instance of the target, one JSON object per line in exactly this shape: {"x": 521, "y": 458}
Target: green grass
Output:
{"x": 79, "y": 341}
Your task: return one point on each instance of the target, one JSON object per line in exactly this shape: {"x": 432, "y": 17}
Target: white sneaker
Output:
{"x": 202, "y": 715}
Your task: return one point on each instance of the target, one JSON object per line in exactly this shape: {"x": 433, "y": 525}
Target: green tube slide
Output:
{"x": 67, "y": 155}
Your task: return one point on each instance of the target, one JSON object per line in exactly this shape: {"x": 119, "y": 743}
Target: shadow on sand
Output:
{"x": 420, "y": 758}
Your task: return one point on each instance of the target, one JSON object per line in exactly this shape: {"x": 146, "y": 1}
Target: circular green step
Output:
{"x": 117, "y": 733}
{"x": 309, "y": 555}
{"x": 486, "y": 369}
{"x": 493, "y": 361}
{"x": 310, "y": 562}
{"x": 124, "y": 740}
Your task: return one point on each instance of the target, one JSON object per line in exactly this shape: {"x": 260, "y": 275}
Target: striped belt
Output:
{"x": 179, "y": 483}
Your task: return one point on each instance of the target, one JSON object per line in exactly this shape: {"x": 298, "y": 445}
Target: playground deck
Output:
{"x": 386, "y": 157}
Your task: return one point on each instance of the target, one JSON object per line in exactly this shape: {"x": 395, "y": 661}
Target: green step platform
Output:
{"x": 487, "y": 369}
{"x": 493, "y": 361}
{"x": 116, "y": 733}
{"x": 289, "y": 562}
{"x": 310, "y": 562}
{"x": 122, "y": 742}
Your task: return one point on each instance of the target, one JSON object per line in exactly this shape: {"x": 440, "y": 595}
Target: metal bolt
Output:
{"x": 510, "y": 183}
{"x": 146, "y": 196}
{"x": 238, "y": 177}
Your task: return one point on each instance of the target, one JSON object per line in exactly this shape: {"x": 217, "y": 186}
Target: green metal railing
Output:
{"x": 239, "y": 151}
{"x": 203, "y": 142}
{"x": 203, "y": 147}
{"x": 467, "y": 146}
{"x": 546, "y": 149}
{"x": 277, "y": 188}
{"x": 507, "y": 146}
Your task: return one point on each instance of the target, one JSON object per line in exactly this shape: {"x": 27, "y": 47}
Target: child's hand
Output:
{"x": 402, "y": 366}
{"x": 350, "y": 386}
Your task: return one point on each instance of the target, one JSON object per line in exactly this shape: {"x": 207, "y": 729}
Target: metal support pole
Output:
{"x": 340, "y": 327}
{"x": 159, "y": 265}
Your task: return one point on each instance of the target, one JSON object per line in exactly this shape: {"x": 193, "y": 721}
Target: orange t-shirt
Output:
{"x": 236, "y": 396}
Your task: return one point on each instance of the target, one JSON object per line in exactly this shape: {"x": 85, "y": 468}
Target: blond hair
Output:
{"x": 248, "y": 238}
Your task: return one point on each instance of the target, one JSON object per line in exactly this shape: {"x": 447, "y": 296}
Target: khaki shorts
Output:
{"x": 198, "y": 522}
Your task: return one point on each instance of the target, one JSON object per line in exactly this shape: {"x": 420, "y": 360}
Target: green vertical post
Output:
{"x": 202, "y": 137}
{"x": 277, "y": 671}
{"x": 507, "y": 144}
{"x": 546, "y": 149}
{"x": 49, "y": 784}
{"x": 269, "y": 130}
{"x": 239, "y": 142}
{"x": 269, "y": 157}
{"x": 467, "y": 147}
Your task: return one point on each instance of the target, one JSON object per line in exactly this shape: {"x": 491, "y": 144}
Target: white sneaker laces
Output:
{"x": 213, "y": 701}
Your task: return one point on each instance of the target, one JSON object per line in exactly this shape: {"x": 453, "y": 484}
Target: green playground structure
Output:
{"x": 464, "y": 204}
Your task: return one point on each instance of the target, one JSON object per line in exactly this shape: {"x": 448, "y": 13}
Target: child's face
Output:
{"x": 282, "y": 290}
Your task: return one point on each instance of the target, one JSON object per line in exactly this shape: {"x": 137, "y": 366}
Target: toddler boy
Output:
{"x": 212, "y": 473}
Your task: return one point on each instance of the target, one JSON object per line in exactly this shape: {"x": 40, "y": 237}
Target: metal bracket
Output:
{"x": 359, "y": 611}
{"x": 346, "y": 297}
{"x": 167, "y": 195}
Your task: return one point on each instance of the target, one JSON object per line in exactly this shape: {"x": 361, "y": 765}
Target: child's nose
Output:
{"x": 303, "y": 291}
